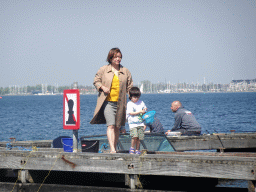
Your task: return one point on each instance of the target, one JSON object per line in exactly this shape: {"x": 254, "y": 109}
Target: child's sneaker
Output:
{"x": 137, "y": 152}
{"x": 131, "y": 151}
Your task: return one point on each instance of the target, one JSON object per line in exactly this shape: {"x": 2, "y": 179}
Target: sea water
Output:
{"x": 41, "y": 117}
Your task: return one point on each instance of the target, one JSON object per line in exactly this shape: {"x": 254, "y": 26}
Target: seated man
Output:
{"x": 185, "y": 122}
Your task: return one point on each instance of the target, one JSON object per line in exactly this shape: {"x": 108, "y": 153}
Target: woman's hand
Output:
{"x": 105, "y": 89}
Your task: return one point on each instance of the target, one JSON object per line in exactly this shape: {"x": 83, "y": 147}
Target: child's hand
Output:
{"x": 144, "y": 110}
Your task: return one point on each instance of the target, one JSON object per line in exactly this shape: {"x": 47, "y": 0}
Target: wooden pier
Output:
{"x": 229, "y": 142}
{"x": 128, "y": 168}
{"x": 150, "y": 171}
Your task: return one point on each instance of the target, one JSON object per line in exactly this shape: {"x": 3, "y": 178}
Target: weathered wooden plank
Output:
{"x": 37, "y": 149}
{"x": 214, "y": 141}
{"x": 37, "y": 143}
{"x": 200, "y": 166}
{"x": 174, "y": 164}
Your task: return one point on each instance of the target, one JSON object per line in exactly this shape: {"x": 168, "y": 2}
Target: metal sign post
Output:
{"x": 71, "y": 113}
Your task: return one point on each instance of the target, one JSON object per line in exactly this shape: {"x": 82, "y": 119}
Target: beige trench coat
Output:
{"x": 104, "y": 77}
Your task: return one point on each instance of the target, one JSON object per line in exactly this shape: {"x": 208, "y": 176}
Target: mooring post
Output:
{"x": 132, "y": 181}
{"x": 75, "y": 141}
{"x": 251, "y": 186}
{"x": 75, "y": 132}
{"x": 23, "y": 176}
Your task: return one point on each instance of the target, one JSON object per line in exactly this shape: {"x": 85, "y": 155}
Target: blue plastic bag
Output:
{"x": 149, "y": 117}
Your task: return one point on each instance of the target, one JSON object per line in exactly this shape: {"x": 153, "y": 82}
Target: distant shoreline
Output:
{"x": 61, "y": 94}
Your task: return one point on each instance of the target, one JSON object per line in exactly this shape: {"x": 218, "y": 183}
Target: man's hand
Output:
{"x": 167, "y": 132}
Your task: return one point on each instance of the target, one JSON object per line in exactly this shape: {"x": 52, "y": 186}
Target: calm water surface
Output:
{"x": 40, "y": 117}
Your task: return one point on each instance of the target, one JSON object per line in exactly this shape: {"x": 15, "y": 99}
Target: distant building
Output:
{"x": 242, "y": 85}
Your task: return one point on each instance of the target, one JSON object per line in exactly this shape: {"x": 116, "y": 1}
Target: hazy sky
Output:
{"x": 59, "y": 42}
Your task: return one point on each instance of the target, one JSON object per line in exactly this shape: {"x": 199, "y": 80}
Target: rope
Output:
{"x": 34, "y": 148}
{"x": 10, "y": 147}
{"x": 21, "y": 170}
{"x": 48, "y": 172}
{"x": 144, "y": 152}
{"x": 104, "y": 146}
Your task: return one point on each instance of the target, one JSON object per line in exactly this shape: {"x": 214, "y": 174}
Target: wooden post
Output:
{"x": 75, "y": 141}
{"x": 75, "y": 132}
{"x": 251, "y": 186}
{"x": 132, "y": 181}
{"x": 23, "y": 176}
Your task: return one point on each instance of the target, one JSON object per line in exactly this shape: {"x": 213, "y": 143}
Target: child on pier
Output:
{"x": 135, "y": 109}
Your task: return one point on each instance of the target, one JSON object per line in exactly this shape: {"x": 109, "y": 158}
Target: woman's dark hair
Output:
{"x": 112, "y": 53}
{"x": 134, "y": 92}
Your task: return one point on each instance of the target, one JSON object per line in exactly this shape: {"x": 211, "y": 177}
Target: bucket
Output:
{"x": 67, "y": 144}
{"x": 90, "y": 146}
{"x": 149, "y": 117}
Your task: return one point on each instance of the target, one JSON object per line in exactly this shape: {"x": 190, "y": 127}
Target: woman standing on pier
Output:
{"x": 113, "y": 82}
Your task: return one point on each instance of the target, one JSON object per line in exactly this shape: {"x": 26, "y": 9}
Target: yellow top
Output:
{"x": 114, "y": 90}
